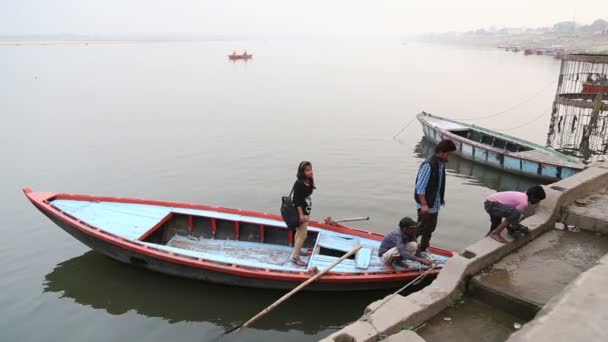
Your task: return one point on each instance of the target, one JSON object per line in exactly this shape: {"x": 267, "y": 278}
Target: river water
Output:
{"x": 178, "y": 121}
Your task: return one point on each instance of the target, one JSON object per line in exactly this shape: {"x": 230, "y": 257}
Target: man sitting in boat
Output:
{"x": 506, "y": 208}
{"x": 401, "y": 245}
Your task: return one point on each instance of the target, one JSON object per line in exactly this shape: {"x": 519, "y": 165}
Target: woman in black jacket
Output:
{"x": 302, "y": 190}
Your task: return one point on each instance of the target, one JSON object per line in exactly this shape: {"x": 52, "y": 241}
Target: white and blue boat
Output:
{"x": 499, "y": 150}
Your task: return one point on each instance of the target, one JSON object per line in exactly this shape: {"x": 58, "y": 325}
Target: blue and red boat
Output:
{"x": 222, "y": 245}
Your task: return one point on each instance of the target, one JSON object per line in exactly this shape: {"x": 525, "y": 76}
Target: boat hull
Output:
{"x": 496, "y": 158}
{"x": 238, "y": 57}
{"x": 149, "y": 259}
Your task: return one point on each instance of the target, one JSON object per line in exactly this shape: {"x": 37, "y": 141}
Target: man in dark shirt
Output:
{"x": 401, "y": 244}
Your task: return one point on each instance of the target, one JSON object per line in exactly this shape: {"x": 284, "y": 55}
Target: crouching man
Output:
{"x": 506, "y": 208}
{"x": 401, "y": 245}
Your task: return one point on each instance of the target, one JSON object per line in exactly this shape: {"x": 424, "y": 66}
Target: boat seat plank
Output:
{"x": 324, "y": 261}
{"x": 342, "y": 243}
{"x": 363, "y": 258}
{"x": 230, "y": 217}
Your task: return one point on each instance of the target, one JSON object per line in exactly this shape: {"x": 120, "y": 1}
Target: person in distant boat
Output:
{"x": 506, "y": 208}
{"x": 429, "y": 193}
{"x": 302, "y": 190}
{"x": 234, "y": 52}
{"x": 245, "y": 53}
{"x": 401, "y": 245}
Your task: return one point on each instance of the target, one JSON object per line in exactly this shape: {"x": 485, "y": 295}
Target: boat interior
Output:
{"x": 228, "y": 239}
{"x": 490, "y": 140}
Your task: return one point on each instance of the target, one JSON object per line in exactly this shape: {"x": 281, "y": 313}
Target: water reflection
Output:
{"x": 99, "y": 282}
{"x": 477, "y": 174}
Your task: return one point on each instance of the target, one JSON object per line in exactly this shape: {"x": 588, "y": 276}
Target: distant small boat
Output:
{"x": 234, "y": 56}
{"x": 499, "y": 150}
{"x": 222, "y": 245}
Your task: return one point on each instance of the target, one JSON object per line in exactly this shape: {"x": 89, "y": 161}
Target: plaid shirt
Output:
{"x": 423, "y": 180}
{"x": 397, "y": 239}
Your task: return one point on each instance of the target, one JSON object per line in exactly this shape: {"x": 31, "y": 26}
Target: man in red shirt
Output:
{"x": 506, "y": 208}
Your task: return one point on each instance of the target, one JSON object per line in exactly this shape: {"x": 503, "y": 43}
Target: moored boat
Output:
{"x": 499, "y": 150}
{"x": 221, "y": 245}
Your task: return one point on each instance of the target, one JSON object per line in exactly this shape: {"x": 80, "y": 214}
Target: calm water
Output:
{"x": 178, "y": 121}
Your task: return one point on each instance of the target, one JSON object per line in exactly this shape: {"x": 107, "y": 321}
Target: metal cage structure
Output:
{"x": 578, "y": 125}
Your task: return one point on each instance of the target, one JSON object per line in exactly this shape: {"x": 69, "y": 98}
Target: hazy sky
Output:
{"x": 285, "y": 17}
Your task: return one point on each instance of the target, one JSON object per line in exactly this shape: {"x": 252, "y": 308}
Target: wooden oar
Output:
{"x": 331, "y": 222}
{"x": 353, "y": 219}
{"x": 292, "y": 292}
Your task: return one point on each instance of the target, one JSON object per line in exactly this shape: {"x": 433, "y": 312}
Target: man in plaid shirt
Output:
{"x": 430, "y": 191}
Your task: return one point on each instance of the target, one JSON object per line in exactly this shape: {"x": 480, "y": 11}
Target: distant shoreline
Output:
{"x": 93, "y": 42}
{"x": 573, "y": 43}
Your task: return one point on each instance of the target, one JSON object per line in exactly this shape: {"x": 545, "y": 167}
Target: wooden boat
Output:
{"x": 244, "y": 56}
{"x": 499, "y": 150}
{"x": 221, "y": 245}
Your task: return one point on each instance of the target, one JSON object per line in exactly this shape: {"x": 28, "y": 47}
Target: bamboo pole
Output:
{"x": 353, "y": 219}
{"x": 294, "y": 291}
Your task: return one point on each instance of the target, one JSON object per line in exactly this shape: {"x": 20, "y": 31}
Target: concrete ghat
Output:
{"x": 593, "y": 215}
{"x": 559, "y": 255}
{"x": 401, "y": 312}
{"x": 577, "y": 314}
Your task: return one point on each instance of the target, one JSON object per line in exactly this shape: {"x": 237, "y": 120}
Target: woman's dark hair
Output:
{"x": 536, "y": 192}
{"x": 302, "y": 176}
{"x": 445, "y": 146}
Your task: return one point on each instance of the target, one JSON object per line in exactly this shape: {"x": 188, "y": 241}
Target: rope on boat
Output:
{"x": 528, "y": 99}
{"x": 524, "y": 124}
{"x": 492, "y": 115}
{"x": 415, "y": 281}
{"x": 403, "y": 129}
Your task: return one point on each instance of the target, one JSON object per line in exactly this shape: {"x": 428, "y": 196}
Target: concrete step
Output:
{"x": 469, "y": 320}
{"x": 532, "y": 275}
{"x": 515, "y": 305}
{"x": 591, "y": 213}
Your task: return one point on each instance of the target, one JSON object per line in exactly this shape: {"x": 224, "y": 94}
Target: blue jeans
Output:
{"x": 498, "y": 212}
